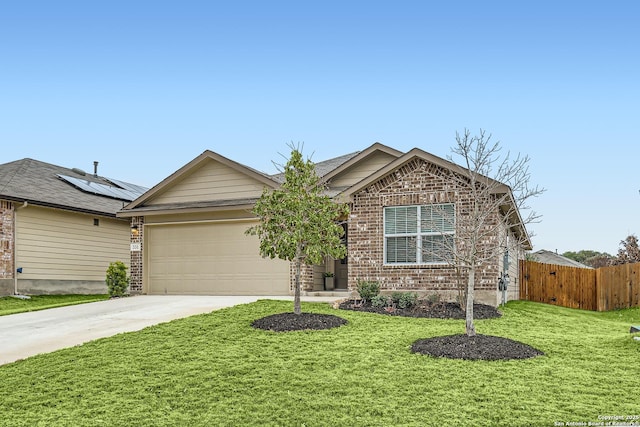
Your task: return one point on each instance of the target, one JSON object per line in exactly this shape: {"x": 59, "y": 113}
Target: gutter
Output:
{"x": 109, "y": 214}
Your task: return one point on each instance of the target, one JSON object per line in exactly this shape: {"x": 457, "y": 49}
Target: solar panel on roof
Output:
{"x": 127, "y": 194}
{"x": 137, "y": 189}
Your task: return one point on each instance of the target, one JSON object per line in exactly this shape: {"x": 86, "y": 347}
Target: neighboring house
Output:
{"x": 58, "y": 228}
{"x": 191, "y": 229}
{"x": 548, "y": 257}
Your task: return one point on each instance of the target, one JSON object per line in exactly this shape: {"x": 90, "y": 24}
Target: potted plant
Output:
{"x": 328, "y": 281}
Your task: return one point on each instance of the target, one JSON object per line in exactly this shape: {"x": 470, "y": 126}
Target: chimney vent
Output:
{"x": 95, "y": 169}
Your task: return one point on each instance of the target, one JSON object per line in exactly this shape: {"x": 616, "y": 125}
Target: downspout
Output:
{"x": 15, "y": 244}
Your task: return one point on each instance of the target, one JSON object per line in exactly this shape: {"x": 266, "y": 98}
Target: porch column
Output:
{"x": 137, "y": 254}
{"x": 7, "y": 245}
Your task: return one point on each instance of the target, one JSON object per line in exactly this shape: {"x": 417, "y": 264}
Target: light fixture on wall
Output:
{"x": 134, "y": 230}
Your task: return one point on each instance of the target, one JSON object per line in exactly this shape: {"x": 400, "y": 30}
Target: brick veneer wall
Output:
{"x": 306, "y": 278}
{"x": 7, "y": 269}
{"x": 135, "y": 283}
{"x": 416, "y": 183}
{"x": 7, "y": 248}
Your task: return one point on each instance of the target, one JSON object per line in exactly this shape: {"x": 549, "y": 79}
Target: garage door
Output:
{"x": 210, "y": 259}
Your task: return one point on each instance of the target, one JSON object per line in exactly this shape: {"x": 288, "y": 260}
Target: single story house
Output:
{"x": 58, "y": 228}
{"x": 190, "y": 229}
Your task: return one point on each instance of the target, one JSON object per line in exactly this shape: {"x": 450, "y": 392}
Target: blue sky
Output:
{"x": 146, "y": 86}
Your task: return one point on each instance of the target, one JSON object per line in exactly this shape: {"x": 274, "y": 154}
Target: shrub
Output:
{"x": 117, "y": 280}
{"x": 433, "y": 298}
{"x": 379, "y": 301}
{"x": 408, "y": 300}
{"x": 395, "y": 297}
{"x": 404, "y": 299}
{"x": 368, "y": 290}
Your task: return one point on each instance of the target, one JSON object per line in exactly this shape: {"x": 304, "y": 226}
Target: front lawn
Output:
{"x": 215, "y": 369}
{"x": 11, "y": 305}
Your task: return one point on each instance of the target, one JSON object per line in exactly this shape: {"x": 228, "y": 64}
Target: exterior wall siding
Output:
{"x": 56, "y": 247}
{"x": 515, "y": 253}
{"x": 360, "y": 171}
{"x": 211, "y": 181}
{"x": 415, "y": 183}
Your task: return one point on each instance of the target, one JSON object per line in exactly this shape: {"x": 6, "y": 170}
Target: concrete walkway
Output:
{"x": 27, "y": 334}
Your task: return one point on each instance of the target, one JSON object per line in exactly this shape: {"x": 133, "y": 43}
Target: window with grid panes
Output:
{"x": 419, "y": 234}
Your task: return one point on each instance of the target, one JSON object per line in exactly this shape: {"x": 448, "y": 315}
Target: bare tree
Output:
{"x": 483, "y": 216}
{"x": 601, "y": 260}
{"x": 629, "y": 251}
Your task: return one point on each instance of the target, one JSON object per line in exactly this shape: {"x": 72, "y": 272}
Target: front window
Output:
{"x": 419, "y": 234}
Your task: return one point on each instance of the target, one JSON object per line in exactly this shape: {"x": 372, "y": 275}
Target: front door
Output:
{"x": 342, "y": 273}
{"x": 341, "y": 265}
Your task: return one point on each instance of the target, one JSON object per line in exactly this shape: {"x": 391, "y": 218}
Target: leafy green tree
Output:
{"x": 298, "y": 220}
{"x": 582, "y": 255}
{"x": 591, "y": 258}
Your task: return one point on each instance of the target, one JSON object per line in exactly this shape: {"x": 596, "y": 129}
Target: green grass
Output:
{"x": 215, "y": 369}
{"x": 10, "y": 305}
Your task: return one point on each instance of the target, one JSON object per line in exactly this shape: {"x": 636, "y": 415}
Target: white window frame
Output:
{"x": 418, "y": 235}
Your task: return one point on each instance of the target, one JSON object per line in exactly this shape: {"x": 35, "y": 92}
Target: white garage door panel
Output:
{"x": 211, "y": 259}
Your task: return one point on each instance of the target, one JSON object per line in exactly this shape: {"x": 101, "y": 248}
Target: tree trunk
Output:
{"x": 296, "y": 298}
{"x": 471, "y": 330}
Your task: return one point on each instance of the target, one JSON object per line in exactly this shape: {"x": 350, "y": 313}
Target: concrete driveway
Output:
{"x": 27, "y": 334}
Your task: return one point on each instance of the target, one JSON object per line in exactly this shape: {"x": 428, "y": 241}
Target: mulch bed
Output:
{"x": 479, "y": 347}
{"x": 284, "y": 322}
{"x": 437, "y": 310}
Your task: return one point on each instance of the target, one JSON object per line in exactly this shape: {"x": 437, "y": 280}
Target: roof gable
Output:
{"x": 361, "y": 166}
{"x": 371, "y": 151}
{"x": 514, "y": 219}
{"x": 402, "y": 160}
{"x": 209, "y": 177}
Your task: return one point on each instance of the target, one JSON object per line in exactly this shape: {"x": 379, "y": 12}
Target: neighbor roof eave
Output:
{"x": 42, "y": 204}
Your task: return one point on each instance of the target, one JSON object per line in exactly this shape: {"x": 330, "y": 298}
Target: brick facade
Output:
{"x": 306, "y": 278}
{"x": 7, "y": 267}
{"x": 415, "y": 183}
{"x": 135, "y": 283}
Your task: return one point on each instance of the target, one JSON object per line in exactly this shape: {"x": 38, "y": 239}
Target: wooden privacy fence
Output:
{"x": 602, "y": 289}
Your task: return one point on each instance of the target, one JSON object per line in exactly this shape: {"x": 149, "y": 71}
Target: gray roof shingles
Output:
{"x": 38, "y": 183}
{"x": 324, "y": 167}
{"x": 548, "y": 257}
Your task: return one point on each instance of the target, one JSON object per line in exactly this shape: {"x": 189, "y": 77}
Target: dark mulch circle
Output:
{"x": 437, "y": 310}
{"x": 479, "y": 347}
{"x": 284, "y": 322}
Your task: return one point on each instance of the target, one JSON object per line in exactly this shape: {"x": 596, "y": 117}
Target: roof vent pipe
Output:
{"x": 95, "y": 169}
